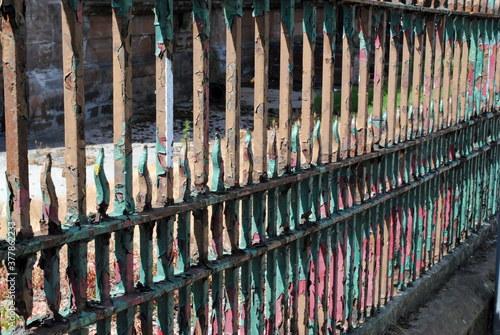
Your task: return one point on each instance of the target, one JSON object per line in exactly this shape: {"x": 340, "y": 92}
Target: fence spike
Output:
{"x": 295, "y": 148}
{"x": 49, "y": 223}
{"x": 218, "y": 167}
{"x": 247, "y": 160}
{"x": 102, "y": 187}
{"x": 144, "y": 196}
{"x": 272, "y": 167}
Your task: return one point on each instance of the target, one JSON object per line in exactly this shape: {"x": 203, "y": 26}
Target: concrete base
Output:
{"x": 460, "y": 307}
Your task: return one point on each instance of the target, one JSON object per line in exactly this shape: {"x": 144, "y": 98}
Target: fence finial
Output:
{"x": 144, "y": 196}
{"x": 218, "y": 167}
{"x": 248, "y": 160}
{"x": 49, "y": 223}
{"x": 184, "y": 173}
{"x": 102, "y": 187}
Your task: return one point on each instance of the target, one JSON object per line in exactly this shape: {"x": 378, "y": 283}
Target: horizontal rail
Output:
{"x": 420, "y": 9}
{"x": 87, "y": 232}
{"x": 97, "y": 311}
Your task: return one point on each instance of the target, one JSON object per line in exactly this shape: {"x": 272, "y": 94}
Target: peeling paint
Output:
{"x": 122, "y": 7}
{"x": 144, "y": 196}
{"x": 218, "y": 167}
{"x": 102, "y": 187}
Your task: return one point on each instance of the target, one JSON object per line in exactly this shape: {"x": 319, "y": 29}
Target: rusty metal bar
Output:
{"x": 201, "y": 40}
{"x": 407, "y": 27}
{"x": 379, "y": 79}
{"x": 364, "y": 17}
{"x": 327, "y": 102}
{"x": 233, "y": 13}
{"x": 346, "y": 91}
{"x": 463, "y": 69}
{"x": 74, "y": 112}
{"x": 417, "y": 75}
{"x": 122, "y": 107}
{"x": 427, "y": 119}
{"x": 164, "y": 101}
{"x": 309, "y": 44}
{"x": 286, "y": 85}
{"x": 393, "y": 78}
{"x": 261, "y": 15}
{"x": 439, "y": 83}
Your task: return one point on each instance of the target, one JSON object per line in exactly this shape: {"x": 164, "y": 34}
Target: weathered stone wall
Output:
{"x": 44, "y": 68}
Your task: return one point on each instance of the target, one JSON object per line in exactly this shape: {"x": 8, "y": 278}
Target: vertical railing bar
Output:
{"x": 144, "y": 199}
{"x": 217, "y": 221}
{"x": 74, "y": 112}
{"x": 379, "y": 79}
{"x": 439, "y": 83}
{"x": 122, "y": 137}
{"x": 164, "y": 101}
{"x": 232, "y": 14}
{"x": 371, "y": 259}
{"x": 395, "y": 20}
{"x": 103, "y": 285}
{"x": 464, "y": 68}
{"x": 471, "y": 77}
{"x": 407, "y": 33}
{"x": 478, "y": 95}
{"x": 427, "y": 120}
{"x": 454, "y": 30}
{"x": 364, "y": 16}
{"x": 378, "y": 231}
{"x": 286, "y": 85}
{"x": 261, "y": 19}
{"x": 201, "y": 33}
{"x": 122, "y": 107}
{"x": 165, "y": 270}
{"x": 497, "y": 69}
{"x": 417, "y": 74}
{"x": 309, "y": 43}
{"x": 327, "y": 102}
{"x": 347, "y": 61}
{"x": 493, "y": 65}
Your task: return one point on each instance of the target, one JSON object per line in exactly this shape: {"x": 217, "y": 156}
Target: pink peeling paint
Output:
{"x": 339, "y": 295}
{"x": 365, "y": 261}
{"x": 376, "y": 78}
{"x": 377, "y": 43}
{"x": 279, "y": 313}
{"x": 427, "y": 86}
{"x": 363, "y": 56}
{"x": 229, "y": 326}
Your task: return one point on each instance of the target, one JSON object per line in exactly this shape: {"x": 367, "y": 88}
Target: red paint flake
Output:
{"x": 377, "y": 41}
{"x": 363, "y": 56}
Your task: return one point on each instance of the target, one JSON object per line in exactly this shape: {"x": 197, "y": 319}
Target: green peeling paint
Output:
{"x": 260, "y": 7}
{"x": 407, "y": 21}
{"x": 309, "y": 21}
{"x": 349, "y": 21}
{"x": 123, "y": 7}
{"x": 218, "y": 167}
{"x": 231, "y": 9}
{"x": 201, "y": 13}
{"x": 101, "y": 183}
{"x": 123, "y": 204}
{"x": 295, "y": 146}
{"x": 163, "y": 23}
{"x": 395, "y": 23}
{"x": 74, "y": 4}
{"x": 419, "y": 24}
{"x": 329, "y": 23}
{"x": 287, "y": 15}
{"x": 143, "y": 161}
